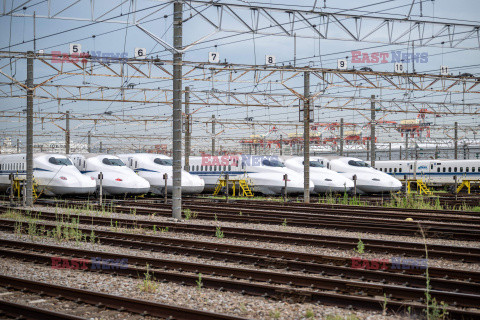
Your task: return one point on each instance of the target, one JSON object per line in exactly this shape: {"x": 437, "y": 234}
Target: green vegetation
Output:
{"x": 148, "y": 284}
{"x": 341, "y": 317}
{"x": 360, "y": 246}
{"x": 275, "y": 314}
{"x": 309, "y": 314}
{"x": 199, "y": 282}
{"x": 189, "y": 214}
{"x": 219, "y": 233}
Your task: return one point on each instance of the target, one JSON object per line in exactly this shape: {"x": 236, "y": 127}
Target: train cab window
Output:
{"x": 60, "y": 161}
{"x": 273, "y": 163}
{"x": 315, "y": 164}
{"x": 358, "y": 163}
{"x": 115, "y": 162}
{"x": 163, "y": 162}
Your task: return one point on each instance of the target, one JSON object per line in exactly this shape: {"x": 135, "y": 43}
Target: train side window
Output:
{"x": 390, "y": 170}
{"x": 473, "y": 169}
{"x": 431, "y": 166}
{"x": 455, "y": 169}
{"x": 438, "y": 169}
{"x": 411, "y": 167}
{"x": 461, "y": 169}
{"x": 444, "y": 169}
{"x": 449, "y": 169}
{"x": 395, "y": 170}
{"x": 467, "y": 169}
{"x": 230, "y": 168}
{"x": 400, "y": 170}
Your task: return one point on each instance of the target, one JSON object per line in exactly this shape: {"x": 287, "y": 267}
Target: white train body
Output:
{"x": 118, "y": 179}
{"x": 152, "y": 167}
{"x": 325, "y": 180}
{"x": 434, "y": 172}
{"x": 369, "y": 180}
{"x": 265, "y": 172}
{"x": 54, "y": 174}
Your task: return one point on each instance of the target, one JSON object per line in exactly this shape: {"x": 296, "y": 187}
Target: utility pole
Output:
{"x": 213, "y": 136}
{"x": 177, "y": 110}
{"x": 67, "y": 133}
{"x": 406, "y": 146}
{"x": 455, "y": 141}
{"x": 372, "y": 130}
{"x": 187, "y": 129}
{"x": 306, "y": 137}
{"x": 101, "y": 147}
{"x": 281, "y": 145}
{"x": 389, "y": 151}
{"x": 341, "y": 137}
{"x": 18, "y": 145}
{"x": 89, "y": 142}
{"x": 29, "y": 182}
{"x": 368, "y": 150}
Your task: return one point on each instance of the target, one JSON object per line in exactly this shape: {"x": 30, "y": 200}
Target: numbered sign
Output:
{"x": 213, "y": 57}
{"x": 75, "y": 48}
{"x": 342, "y": 64}
{"x": 399, "y": 67}
{"x": 41, "y": 51}
{"x": 270, "y": 60}
{"x": 140, "y": 53}
{"x": 444, "y": 70}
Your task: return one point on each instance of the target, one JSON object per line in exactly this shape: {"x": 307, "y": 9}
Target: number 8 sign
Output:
{"x": 140, "y": 52}
{"x": 269, "y": 60}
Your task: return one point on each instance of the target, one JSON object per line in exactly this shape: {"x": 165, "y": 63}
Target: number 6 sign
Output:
{"x": 140, "y": 52}
{"x": 213, "y": 57}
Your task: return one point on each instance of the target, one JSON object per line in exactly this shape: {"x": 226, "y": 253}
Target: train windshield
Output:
{"x": 113, "y": 162}
{"x": 273, "y": 163}
{"x": 316, "y": 164}
{"x": 163, "y": 162}
{"x": 358, "y": 163}
{"x": 60, "y": 161}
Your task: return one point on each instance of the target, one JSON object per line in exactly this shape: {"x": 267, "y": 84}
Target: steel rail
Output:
{"x": 120, "y": 303}
{"x": 23, "y": 311}
{"x": 346, "y": 291}
{"x": 260, "y": 257}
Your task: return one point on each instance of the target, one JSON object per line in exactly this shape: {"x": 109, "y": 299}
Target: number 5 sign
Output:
{"x": 75, "y": 48}
{"x": 213, "y": 57}
{"x": 140, "y": 52}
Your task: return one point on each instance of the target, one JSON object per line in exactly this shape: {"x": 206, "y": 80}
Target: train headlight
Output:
{"x": 92, "y": 178}
{"x": 118, "y": 179}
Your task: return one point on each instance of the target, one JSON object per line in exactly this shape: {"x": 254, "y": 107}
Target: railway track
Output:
{"x": 23, "y": 311}
{"x": 119, "y": 303}
{"x": 455, "y": 253}
{"x": 334, "y": 219}
{"x": 345, "y": 292}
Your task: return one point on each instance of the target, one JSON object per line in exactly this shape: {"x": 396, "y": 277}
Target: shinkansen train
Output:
{"x": 152, "y": 167}
{"x": 325, "y": 180}
{"x": 54, "y": 174}
{"x": 265, "y": 172}
{"x": 369, "y": 180}
{"x": 434, "y": 172}
{"x": 118, "y": 179}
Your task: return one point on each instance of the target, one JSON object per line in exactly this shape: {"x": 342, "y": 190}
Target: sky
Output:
{"x": 239, "y": 48}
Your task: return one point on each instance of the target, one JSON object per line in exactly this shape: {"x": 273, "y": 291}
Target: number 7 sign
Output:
{"x": 213, "y": 57}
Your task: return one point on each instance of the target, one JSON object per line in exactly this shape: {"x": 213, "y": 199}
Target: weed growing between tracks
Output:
{"x": 148, "y": 284}
{"x": 199, "y": 282}
{"x": 219, "y": 233}
{"x": 434, "y": 310}
{"x": 360, "y": 246}
{"x": 189, "y": 214}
